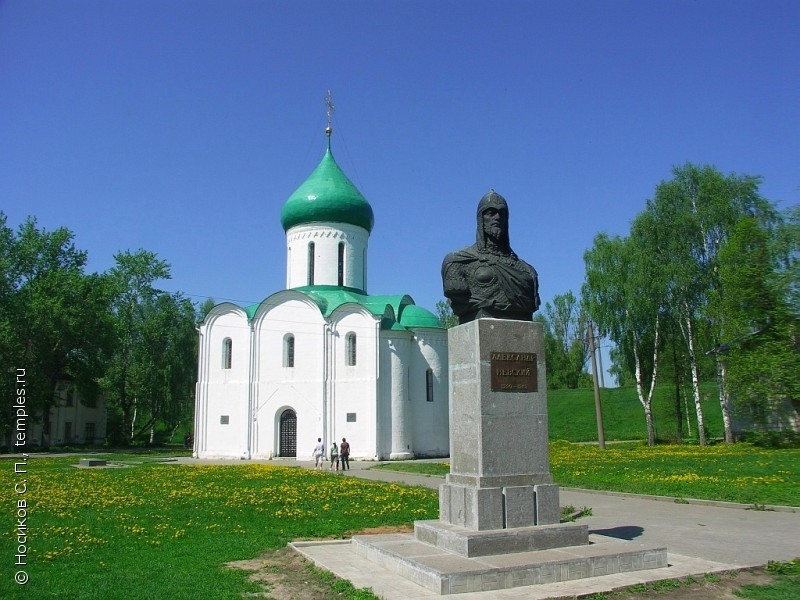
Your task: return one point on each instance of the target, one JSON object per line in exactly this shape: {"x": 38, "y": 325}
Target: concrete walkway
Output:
{"x": 701, "y": 537}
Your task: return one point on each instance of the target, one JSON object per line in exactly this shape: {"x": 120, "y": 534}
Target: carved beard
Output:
{"x": 493, "y": 234}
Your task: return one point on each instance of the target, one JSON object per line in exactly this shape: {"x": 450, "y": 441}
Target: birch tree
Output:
{"x": 694, "y": 214}
{"x": 623, "y": 295}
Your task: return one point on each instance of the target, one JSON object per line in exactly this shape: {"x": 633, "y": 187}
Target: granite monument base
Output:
{"x": 444, "y": 572}
{"x": 499, "y": 457}
{"x": 471, "y": 543}
{"x": 499, "y": 515}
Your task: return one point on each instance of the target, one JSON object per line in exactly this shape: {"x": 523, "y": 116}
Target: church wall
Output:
{"x": 430, "y": 430}
{"x": 277, "y": 386}
{"x": 354, "y": 387}
{"x": 383, "y": 404}
{"x": 223, "y": 393}
{"x": 326, "y": 238}
{"x": 401, "y": 409}
{"x": 379, "y": 404}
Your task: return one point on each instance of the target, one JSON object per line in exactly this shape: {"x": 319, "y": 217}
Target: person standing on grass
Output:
{"x": 334, "y": 457}
{"x": 319, "y": 453}
{"x": 344, "y": 454}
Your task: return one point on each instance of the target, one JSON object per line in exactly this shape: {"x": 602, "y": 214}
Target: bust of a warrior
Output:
{"x": 488, "y": 279}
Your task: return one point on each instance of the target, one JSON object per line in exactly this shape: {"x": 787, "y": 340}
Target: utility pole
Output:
{"x": 601, "y": 371}
{"x": 601, "y": 438}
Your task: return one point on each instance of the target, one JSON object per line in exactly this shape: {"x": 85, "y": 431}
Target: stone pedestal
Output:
{"x": 499, "y": 479}
{"x": 499, "y": 458}
{"x": 499, "y": 524}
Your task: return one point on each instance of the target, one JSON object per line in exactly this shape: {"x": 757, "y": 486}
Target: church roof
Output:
{"x": 327, "y": 196}
{"x": 414, "y": 316}
{"x": 397, "y": 312}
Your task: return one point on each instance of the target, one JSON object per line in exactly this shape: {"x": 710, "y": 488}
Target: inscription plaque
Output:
{"x": 513, "y": 371}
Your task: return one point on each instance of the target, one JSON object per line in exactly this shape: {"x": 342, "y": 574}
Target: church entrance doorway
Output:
{"x": 288, "y": 434}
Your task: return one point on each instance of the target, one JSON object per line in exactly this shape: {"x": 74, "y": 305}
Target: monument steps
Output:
{"x": 444, "y": 572}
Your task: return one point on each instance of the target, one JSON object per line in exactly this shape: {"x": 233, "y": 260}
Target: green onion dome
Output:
{"x": 327, "y": 196}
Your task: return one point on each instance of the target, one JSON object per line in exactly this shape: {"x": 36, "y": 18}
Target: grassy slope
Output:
{"x": 572, "y": 414}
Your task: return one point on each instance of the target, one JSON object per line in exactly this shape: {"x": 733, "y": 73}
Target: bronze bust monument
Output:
{"x": 488, "y": 279}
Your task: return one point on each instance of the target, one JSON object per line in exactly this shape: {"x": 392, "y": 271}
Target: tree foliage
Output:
{"x": 565, "y": 342}
{"x": 623, "y": 293}
{"x": 54, "y": 321}
{"x": 761, "y": 328}
{"x": 151, "y": 374}
{"x": 106, "y": 333}
{"x": 445, "y": 314}
{"x": 678, "y": 281}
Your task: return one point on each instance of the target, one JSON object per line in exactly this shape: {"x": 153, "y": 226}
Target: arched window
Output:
{"x": 350, "y": 349}
{"x": 310, "y": 263}
{"x": 227, "y": 353}
{"x": 288, "y": 350}
{"x": 341, "y": 263}
{"x": 429, "y": 385}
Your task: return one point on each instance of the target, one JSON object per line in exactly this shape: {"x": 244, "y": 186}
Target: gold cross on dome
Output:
{"x": 329, "y": 109}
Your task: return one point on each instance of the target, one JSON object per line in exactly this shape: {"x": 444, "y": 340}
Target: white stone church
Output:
{"x": 323, "y": 358}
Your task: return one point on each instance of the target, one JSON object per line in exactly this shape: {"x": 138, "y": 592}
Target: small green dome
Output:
{"x": 413, "y": 316}
{"x": 327, "y": 196}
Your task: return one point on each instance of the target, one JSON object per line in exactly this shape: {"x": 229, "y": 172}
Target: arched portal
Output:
{"x": 287, "y": 446}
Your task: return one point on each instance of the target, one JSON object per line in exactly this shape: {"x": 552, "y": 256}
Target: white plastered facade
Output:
{"x": 256, "y": 401}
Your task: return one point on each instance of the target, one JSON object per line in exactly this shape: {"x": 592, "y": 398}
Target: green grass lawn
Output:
{"x": 785, "y": 587}
{"x": 439, "y": 469}
{"x": 150, "y": 529}
{"x": 734, "y": 473}
{"x": 156, "y": 530}
{"x": 166, "y": 531}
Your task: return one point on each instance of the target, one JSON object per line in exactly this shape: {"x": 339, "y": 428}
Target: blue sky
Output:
{"x": 182, "y": 127}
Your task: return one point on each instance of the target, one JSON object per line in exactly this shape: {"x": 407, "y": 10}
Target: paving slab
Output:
{"x": 341, "y": 558}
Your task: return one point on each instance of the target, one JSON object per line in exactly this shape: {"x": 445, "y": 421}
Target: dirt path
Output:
{"x": 285, "y": 575}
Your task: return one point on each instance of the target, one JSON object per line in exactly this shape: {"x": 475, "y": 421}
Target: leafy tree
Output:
{"x": 552, "y": 351}
{"x": 674, "y": 368}
{"x": 618, "y": 369}
{"x": 152, "y": 372}
{"x": 786, "y": 249}
{"x": 693, "y": 215}
{"x": 761, "y": 354}
{"x": 667, "y": 277}
{"x": 623, "y": 293}
{"x": 445, "y": 313}
{"x": 565, "y": 319}
{"x": 565, "y": 342}
{"x": 205, "y": 308}
{"x": 54, "y": 322}
{"x": 169, "y": 347}
{"x": 9, "y": 344}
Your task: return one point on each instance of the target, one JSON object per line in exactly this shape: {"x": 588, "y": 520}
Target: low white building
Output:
{"x": 322, "y": 358}
{"x": 74, "y": 420}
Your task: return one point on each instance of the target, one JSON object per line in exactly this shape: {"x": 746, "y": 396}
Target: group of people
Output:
{"x": 338, "y": 453}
